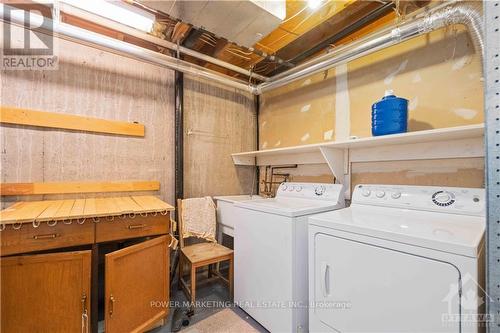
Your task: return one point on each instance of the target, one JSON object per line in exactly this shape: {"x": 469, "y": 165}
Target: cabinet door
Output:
{"x": 137, "y": 286}
{"x": 46, "y": 292}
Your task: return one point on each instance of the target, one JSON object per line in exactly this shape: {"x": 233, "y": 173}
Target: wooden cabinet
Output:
{"x": 59, "y": 291}
{"x": 46, "y": 292}
{"x": 137, "y": 286}
{"x": 52, "y": 292}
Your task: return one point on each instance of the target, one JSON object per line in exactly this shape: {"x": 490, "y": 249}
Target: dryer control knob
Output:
{"x": 298, "y": 188}
{"x": 283, "y": 187}
{"x": 380, "y": 194}
{"x": 319, "y": 190}
{"x": 396, "y": 195}
{"x": 291, "y": 188}
{"x": 443, "y": 198}
{"x": 366, "y": 192}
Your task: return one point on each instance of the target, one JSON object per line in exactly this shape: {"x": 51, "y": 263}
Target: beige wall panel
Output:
{"x": 98, "y": 84}
{"x": 439, "y": 73}
{"x": 446, "y": 172}
{"x": 218, "y": 121}
{"x": 463, "y": 172}
{"x": 300, "y": 113}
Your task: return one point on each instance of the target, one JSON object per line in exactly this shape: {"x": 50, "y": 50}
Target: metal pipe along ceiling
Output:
{"x": 467, "y": 14}
{"x": 72, "y": 33}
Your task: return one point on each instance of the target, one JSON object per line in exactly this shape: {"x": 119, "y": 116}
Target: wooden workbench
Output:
{"x": 64, "y": 210}
{"x": 50, "y": 261}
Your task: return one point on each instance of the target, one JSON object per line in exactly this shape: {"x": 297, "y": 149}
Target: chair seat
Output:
{"x": 205, "y": 252}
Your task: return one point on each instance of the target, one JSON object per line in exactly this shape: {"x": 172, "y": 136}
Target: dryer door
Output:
{"x": 365, "y": 288}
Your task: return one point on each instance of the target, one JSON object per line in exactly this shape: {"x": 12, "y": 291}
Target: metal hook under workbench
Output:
{"x": 52, "y": 223}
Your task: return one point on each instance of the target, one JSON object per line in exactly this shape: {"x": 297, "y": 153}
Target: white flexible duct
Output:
{"x": 467, "y": 14}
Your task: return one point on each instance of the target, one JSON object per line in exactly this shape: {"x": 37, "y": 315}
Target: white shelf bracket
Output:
{"x": 335, "y": 158}
{"x": 243, "y": 160}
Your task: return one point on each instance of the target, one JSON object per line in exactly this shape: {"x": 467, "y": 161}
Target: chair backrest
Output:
{"x": 197, "y": 218}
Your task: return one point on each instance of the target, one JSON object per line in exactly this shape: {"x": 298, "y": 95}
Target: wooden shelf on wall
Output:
{"x": 16, "y": 116}
{"x": 451, "y": 142}
{"x": 9, "y": 189}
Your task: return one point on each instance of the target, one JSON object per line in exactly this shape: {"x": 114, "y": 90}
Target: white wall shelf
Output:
{"x": 451, "y": 142}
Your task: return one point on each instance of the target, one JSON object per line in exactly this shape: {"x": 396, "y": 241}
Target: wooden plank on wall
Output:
{"x": 11, "y": 115}
{"x": 76, "y": 187}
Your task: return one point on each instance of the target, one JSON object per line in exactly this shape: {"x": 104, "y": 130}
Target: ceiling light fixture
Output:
{"x": 314, "y": 4}
{"x": 117, "y": 11}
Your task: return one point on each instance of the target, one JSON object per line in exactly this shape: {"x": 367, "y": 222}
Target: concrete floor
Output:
{"x": 213, "y": 296}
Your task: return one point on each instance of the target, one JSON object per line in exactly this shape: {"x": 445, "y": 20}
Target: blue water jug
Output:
{"x": 390, "y": 115}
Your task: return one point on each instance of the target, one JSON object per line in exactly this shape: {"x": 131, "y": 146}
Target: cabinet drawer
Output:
{"x": 124, "y": 228}
{"x": 28, "y": 238}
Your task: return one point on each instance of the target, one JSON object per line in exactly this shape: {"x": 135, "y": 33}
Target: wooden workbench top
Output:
{"x": 58, "y": 210}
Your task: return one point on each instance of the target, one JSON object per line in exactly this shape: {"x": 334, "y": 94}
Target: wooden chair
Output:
{"x": 200, "y": 255}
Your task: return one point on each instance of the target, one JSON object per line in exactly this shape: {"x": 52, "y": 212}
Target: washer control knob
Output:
{"x": 366, "y": 192}
{"x": 380, "y": 194}
{"x": 319, "y": 190}
{"x": 298, "y": 188}
{"x": 283, "y": 187}
{"x": 291, "y": 188}
{"x": 396, "y": 195}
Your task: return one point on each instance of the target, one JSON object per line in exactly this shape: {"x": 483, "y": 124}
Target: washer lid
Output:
{"x": 237, "y": 198}
{"x": 458, "y": 234}
{"x": 290, "y": 207}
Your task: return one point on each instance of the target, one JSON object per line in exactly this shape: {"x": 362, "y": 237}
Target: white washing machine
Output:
{"x": 399, "y": 259}
{"x": 270, "y": 253}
